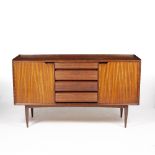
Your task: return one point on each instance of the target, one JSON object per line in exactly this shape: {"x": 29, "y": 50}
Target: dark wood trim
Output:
{"x": 85, "y": 104}
{"x": 75, "y": 105}
{"x": 78, "y": 91}
{"x": 77, "y": 80}
{"x": 78, "y": 58}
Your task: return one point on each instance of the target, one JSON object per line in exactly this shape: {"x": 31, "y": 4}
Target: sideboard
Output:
{"x": 103, "y": 80}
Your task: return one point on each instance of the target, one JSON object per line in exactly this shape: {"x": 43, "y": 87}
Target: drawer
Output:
{"x": 76, "y": 75}
{"x": 76, "y": 97}
{"x": 76, "y": 86}
{"x": 76, "y": 65}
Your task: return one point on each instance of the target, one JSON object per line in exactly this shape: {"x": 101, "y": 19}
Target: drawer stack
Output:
{"x": 76, "y": 82}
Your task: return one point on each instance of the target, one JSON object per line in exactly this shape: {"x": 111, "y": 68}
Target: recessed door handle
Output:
{"x": 46, "y": 62}
{"x": 104, "y": 62}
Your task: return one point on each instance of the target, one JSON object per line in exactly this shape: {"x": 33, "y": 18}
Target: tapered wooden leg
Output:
{"x": 27, "y": 115}
{"x": 125, "y": 115}
{"x": 31, "y": 112}
{"x": 121, "y": 112}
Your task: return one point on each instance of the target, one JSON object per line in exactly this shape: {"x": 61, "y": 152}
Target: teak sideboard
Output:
{"x": 76, "y": 81}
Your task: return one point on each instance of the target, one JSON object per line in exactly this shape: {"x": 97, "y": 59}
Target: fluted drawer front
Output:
{"x": 76, "y": 82}
{"x": 76, "y": 75}
{"x": 76, "y": 97}
{"x": 76, "y": 65}
{"x": 76, "y": 86}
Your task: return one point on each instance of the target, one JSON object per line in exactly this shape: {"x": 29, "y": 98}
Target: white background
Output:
{"x": 77, "y": 27}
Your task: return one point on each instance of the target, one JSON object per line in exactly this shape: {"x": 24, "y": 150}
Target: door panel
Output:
{"x": 33, "y": 83}
{"x": 119, "y": 83}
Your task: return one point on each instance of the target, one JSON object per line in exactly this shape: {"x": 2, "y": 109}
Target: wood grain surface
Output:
{"x": 76, "y": 75}
{"x": 76, "y": 65}
{"x": 76, "y": 97}
{"x": 43, "y": 82}
{"x": 119, "y": 83}
{"x": 33, "y": 83}
{"x": 76, "y": 86}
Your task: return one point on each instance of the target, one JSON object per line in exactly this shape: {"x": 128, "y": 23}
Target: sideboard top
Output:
{"x": 77, "y": 57}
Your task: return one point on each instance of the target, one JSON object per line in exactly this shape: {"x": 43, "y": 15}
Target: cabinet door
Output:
{"x": 33, "y": 83}
{"x": 119, "y": 83}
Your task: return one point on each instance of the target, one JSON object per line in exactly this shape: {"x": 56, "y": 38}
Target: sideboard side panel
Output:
{"x": 33, "y": 83}
{"x": 119, "y": 83}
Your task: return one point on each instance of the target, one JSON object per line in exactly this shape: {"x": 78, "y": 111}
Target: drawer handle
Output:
{"x": 104, "y": 62}
{"x": 46, "y": 62}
